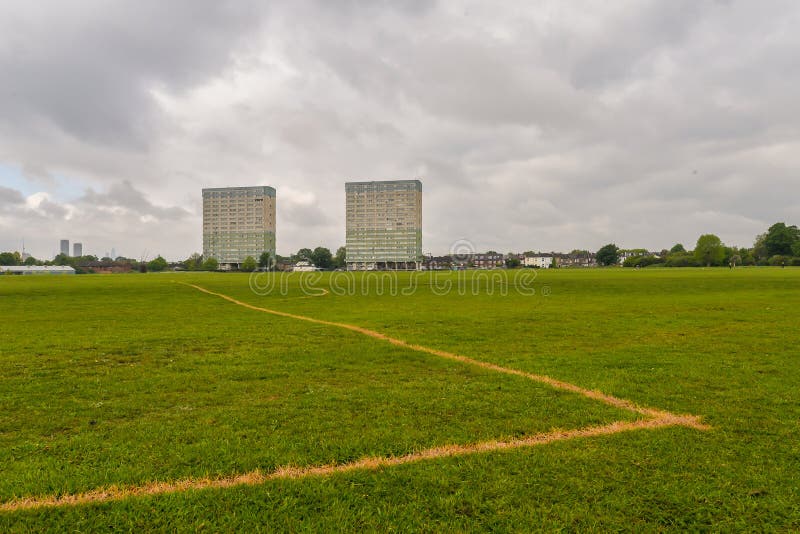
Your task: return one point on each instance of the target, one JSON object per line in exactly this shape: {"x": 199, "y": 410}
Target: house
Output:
{"x": 489, "y": 260}
{"x": 538, "y": 261}
{"x": 578, "y": 259}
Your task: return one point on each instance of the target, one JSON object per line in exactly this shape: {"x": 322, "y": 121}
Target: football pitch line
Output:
{"x": 683, "y": 420}
{"x": 653, "y": 419}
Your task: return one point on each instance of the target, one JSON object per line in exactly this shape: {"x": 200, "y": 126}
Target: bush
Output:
{"x": 642, "y": 261}
{"x": 681, "y": 260}
{"x": 248, "y": 265}
{"x": 778, "y": 260}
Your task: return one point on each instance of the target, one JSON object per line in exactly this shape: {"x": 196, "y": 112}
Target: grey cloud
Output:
{"x": 88, "y": 67}
{"x": 10, "y": 197}
{"x": 552, "y": 126}
{"x": 124, "y": 196}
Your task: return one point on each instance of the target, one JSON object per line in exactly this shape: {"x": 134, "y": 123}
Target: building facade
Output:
{"x": 538, "y": 261}
{"x": 384, "y": 225}
{"x": 238, "y": 222}
{"x": 488, "y": 260}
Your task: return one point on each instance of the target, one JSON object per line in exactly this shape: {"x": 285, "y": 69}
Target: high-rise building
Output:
{"x": 384, "y": 224}
{"x": 65, "y": 247}
{"x": 238, "y": 222}
{"x": 77, "y": 249}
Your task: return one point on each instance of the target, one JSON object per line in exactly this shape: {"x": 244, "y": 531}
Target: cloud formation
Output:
{"x": 548, "y": 126}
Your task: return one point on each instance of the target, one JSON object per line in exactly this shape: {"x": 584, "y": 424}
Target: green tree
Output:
{"x": 157, "y": 264}
{"x": 608, "y": 255}
{"x": 30, "y": 260}
{"x": 8, "y": 258}
{"x": 62, "y": 259}
{"x": 264, "y": 260}
{"x": 193, "y": 262}
{"x": 709, "y": 250}
{"x": 303, "y": 254}
{"x": 760, "y": 254}
{"x": 512, "y": 263}
{"x": 322, "y": 258}
{"x": 211, "y": 264}
{"x": 796, "y": 249}
{"x": 780, "y": 239}
{"x": 340, "y": 260}
{"x": 248, "y": 265}
{"x": 677, "y": 248}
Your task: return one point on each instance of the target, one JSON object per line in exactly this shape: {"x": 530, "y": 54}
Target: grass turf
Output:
{"x": 125, "y": 379}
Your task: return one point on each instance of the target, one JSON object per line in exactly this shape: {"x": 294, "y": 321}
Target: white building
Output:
{"x": 37, "y": 269}
{"x": 303, "y": 267}
{"x": 539, "y": 261}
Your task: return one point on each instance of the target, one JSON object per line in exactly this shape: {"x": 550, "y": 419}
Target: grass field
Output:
{"x": 112, "y": 383}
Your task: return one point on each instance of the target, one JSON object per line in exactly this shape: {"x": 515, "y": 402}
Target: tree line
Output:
{"x": 778, "y": 246}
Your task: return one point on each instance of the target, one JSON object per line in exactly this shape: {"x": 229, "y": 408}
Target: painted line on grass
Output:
{"x": 655, "y": 419}
{"x": 253, "y": 478}
{"x": 687, "y": 420}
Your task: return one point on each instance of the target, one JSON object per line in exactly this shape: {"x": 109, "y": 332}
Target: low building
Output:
{"x": 538, "y": 261}
{"x": 107, "y": 267}
{"x": 489, "y": 260}
{"x": 304, "y": 267}
{"x": 582, "y": 259}
{"x": 36, "y": 269}
{"x": 438, "y": 263}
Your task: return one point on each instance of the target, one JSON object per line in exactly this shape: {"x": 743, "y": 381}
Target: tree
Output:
{"x": 211, "y": 264}
{"x": 157, "y": 264}
{"x": 249, "y": 264}
{"x": 512, "y": 263}
{"x": 796, "y": 249}
{"x": 780, "y": 239}
{"x": 340, "y": 260}
{"x": 264, "y": 260}
{"x": 608, "y": 255}
{"x": 193, "y": 262}
{"x": 303, "y": 254}
{"x": 322, "y": 258}
{"x": 677, "y": 248}
{"x": 8, "y": 258}
{"x": 62, "y": 259}
{"x": 709, "y": 250}
{"x": 30, "y": 260}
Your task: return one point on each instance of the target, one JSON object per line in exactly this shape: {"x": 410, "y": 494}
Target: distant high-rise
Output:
{"x": 238, "y": 222}
{"x": 384, "y": 224}
{"x": 65, "y": 247}
{"x": 77, "y": 249}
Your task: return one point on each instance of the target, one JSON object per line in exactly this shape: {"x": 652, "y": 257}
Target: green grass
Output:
{"x": 129, "y": 379}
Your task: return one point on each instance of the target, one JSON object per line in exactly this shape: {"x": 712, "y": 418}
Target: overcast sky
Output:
{"x": 532, "y": 125}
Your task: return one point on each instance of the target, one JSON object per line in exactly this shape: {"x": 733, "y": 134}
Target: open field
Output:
{"x": 136, "y": 382}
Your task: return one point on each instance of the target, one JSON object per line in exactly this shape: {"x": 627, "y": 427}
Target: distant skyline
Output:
{"x": 546, "y": 126}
